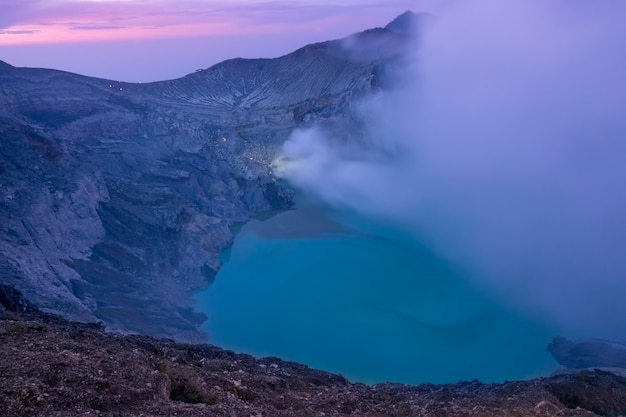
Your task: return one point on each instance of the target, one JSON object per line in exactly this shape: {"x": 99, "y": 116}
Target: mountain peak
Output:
{"x": 405, "y": 24}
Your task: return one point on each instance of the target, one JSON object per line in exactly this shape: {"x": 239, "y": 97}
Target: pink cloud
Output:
{"x": 150, "y": 40}
{"x": 36, "y": 22}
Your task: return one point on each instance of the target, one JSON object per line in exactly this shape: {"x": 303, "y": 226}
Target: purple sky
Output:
{"x": 149, "y": 40}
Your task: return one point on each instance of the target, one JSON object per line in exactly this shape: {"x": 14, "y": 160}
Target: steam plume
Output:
{"x": 504, "y": 148}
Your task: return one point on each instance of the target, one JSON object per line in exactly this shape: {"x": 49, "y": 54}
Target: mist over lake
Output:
{"x": 478, "y": 208}
{"x": 341, "y": 292}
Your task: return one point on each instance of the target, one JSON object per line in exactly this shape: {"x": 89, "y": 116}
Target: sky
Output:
{"x": 151, "y": 40}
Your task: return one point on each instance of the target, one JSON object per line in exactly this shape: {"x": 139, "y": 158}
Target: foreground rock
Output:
{"x": 51, "y": 367}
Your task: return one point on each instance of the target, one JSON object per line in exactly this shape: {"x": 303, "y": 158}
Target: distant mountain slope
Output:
{"x": 319, "y": 71}
{"x": 116, "y": 199}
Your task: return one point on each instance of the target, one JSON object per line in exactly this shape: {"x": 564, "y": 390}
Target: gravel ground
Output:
{"x": 52, "y": 367}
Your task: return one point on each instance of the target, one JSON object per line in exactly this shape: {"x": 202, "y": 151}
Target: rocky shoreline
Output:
{"x": 52, "y": 367}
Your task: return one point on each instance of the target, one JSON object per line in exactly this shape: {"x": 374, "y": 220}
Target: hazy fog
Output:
{"x": 504, "y": 148}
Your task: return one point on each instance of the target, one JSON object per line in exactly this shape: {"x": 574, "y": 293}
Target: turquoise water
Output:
{"x": 339, "y": 293}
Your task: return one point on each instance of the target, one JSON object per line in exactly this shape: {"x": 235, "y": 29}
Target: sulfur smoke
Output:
{"x": 503, "y": 147}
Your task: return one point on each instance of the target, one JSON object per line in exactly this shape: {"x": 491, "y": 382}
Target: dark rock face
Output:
{"x": 50, "y": 367}
{"x": 116, "y": 199}
{"x": 13, "y": 300}
{"x": 588, "y": 353}
{"x": 602, "y": 393}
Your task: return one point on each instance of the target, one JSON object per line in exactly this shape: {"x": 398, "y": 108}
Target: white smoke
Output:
{"x": 509, "y": 134}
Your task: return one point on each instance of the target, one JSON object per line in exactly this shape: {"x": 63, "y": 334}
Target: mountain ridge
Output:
{"x": 407, "y": 23}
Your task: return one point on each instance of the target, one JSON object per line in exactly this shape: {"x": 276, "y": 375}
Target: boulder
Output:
{"x": 588, "y": 353}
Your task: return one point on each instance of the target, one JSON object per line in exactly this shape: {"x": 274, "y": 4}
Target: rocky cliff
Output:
{"x": 116, "y": 199}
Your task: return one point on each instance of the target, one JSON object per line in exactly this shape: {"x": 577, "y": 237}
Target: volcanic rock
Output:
{"x": 116, "y": 199}
{"x": 51, "y": 367}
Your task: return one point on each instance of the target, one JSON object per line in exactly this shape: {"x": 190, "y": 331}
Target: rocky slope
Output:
{"x": 51, "y": 367}
{"x": 116, "y": 199}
